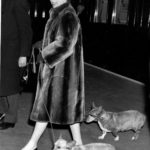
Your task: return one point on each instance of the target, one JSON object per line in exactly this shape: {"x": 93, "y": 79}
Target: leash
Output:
{"x": 52, "y": 131}
{"x": 33, "y": 61}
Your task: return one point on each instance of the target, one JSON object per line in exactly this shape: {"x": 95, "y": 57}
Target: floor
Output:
{"x": 112, "y": 91}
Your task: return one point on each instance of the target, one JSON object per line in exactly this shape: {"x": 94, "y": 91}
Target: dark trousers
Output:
{"x": 9, "y": 106}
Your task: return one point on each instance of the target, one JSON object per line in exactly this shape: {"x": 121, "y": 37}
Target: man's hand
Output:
{"x": 22, "y": 62}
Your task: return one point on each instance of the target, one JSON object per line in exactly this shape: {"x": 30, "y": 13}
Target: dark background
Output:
{"x": 120, "y": 48}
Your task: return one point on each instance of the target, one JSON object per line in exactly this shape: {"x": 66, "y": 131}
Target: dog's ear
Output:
{"x": 93, "y": 105}
{"x": 71, "y": 144}
{"x": 100, "y": 108}
{"x": 60, "y": 136}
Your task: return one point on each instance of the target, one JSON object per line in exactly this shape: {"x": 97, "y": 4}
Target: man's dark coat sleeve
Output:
{"x": 24, "y": 23}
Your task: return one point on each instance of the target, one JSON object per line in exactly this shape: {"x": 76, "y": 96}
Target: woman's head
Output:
{"x": 56, "y": 3}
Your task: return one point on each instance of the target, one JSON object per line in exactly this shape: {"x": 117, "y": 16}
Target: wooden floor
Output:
{"x": 112, "y": 91}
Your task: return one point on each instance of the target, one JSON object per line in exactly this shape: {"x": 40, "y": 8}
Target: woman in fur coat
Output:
{"x": 60, "y": 89}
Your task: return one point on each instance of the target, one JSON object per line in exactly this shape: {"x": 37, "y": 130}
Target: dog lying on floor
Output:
{"x": 115, "y": 122}
{"x": 62, "y": 144}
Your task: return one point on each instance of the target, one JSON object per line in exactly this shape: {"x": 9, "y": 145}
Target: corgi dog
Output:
{"x": 115, "y": 122}
{"x": 62, "y": 144}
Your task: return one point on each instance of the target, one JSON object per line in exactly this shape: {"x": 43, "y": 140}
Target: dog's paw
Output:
{"x": 116, "y": 138}
{"x": 101, "y": 137}
{"x": 133, "y": 138}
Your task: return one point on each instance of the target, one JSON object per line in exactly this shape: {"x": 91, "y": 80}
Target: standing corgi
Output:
{"x": 115, "y": 122}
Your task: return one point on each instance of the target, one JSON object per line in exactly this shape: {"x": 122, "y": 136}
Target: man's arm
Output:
{"x": 24, "y": 26}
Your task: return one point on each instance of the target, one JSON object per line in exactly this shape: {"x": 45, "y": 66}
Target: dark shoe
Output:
{"x": 6, "y": 125}
{"x": 2, "y": 115}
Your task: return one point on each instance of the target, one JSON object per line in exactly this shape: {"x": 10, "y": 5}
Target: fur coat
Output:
{"x": 60, "y": 89}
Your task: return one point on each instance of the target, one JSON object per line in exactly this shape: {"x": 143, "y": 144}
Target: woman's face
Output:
{"x": 56, "y": 3}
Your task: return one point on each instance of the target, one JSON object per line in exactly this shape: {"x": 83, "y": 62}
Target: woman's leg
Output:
{"x": 76, "y": 133}
{"x": 38, "y": 131}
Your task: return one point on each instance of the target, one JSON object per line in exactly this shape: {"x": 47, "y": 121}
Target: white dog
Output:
{"x": 62, "y": 144}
